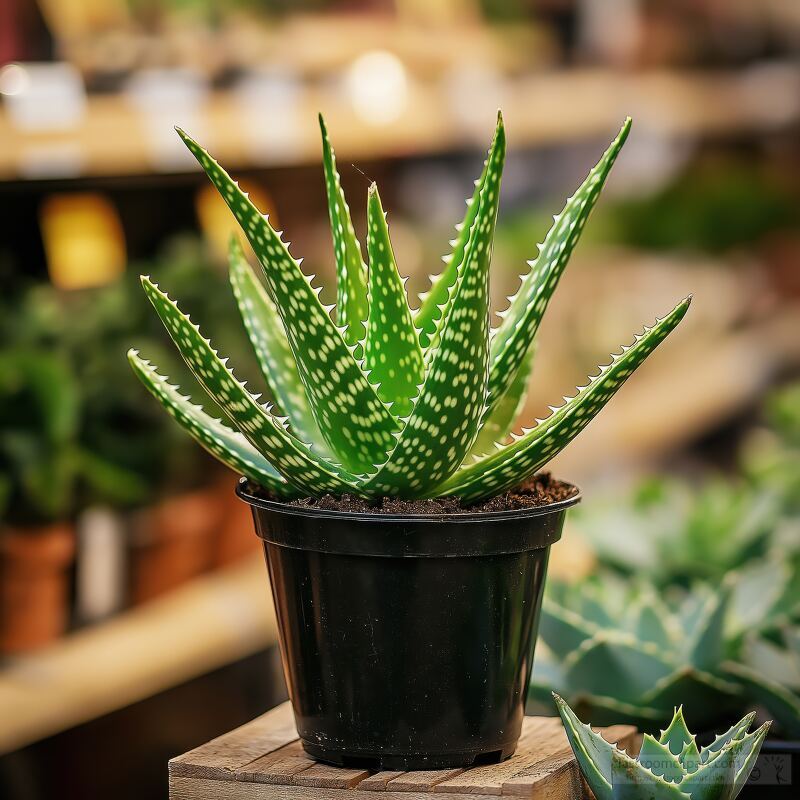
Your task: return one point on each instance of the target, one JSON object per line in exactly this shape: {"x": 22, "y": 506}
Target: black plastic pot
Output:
{"x": 407, "y": 641}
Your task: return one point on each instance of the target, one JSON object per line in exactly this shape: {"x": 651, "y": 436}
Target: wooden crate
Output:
{"x": 264, "y": 759}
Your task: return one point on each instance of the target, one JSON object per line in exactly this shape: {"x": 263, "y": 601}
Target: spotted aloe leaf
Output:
{"x": 444, "y": 422}
{"x": 515, "y": 462}
{"x": 500, "y": 420}
{"x": 352, "y": 418}
{"x": 306, "y": 471}
{"x": 392, "y": 353}
{"x": 521, "y": 320}
{"x": 433, "y": 302}
{"x": 265, "y": 330}
{"x": 351, "y": 273}
{"x": 221, "y": 441}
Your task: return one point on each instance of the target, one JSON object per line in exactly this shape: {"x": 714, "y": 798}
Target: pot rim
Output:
{"x": 242, "y": 491}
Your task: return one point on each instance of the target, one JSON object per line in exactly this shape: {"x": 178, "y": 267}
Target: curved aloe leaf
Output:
{"x": 746, "y": 756}
{"x": 227, "y": 445}
{"x": 266, "y": 333}
{"x": 303, "y": 469}
{"x": 781, "y": 703}
{"x": 444, "y": 422}
{"x": 631, "y": 780}
{"x": 660, "y": 760}
{"x": 500, "y": 420}
{"x": 352, "y": 418}
{"x": 592, "y": 751}
{"x": 392, "y": 355}
{"x": 736, "y": 731}
{"x": 515, "y": 462}
{"x": 563, "y": 630}
{"x": 521, "y": 321}
{"x": 676, "y": 735}
{"x": 351, "y": 273}
{"x": 635, "y": 665}
{"x": 432, "y": 303}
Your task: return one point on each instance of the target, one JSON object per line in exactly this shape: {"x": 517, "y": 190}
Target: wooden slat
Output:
{"x": 204, "y": 789}
{"x": 378, "y": 781}
{"x": 421, "y": 780}
{"x": 277, "y": 767}
{"x": 221, "y": 757}
{"x": 540, "y": 737}
{"x": 325, "y": 776}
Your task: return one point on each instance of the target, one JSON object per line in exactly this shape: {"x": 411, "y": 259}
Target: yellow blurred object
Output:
{"x": 83, "y": 240}
{"x": 571, "y": 559}
{"x": 215, "y": 217}
{"x": 73, "y": 20}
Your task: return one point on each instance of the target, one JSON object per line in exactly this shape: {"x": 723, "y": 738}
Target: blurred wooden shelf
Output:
{"x": 212, "y": 621}
{"x": 116, "y": 138}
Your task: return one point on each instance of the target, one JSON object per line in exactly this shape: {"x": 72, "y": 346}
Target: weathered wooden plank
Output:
{"x": 277, "y": 767}
{"x": 325, "y": 776}
{"x": 378, "y": 781}
{"x": 541, "y": 736}
{"x": 221, "y": 757}
{"x": 182, "y": 788}
{"x": 421, "y": 780}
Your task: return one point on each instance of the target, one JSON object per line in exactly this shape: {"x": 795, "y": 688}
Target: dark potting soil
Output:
{"x": 541, "y": 490}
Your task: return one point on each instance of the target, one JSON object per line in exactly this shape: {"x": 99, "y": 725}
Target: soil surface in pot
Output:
{"x": 541, "y": 490}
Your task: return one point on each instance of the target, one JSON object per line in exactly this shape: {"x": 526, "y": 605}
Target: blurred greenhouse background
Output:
{"x": 135, "y": 620}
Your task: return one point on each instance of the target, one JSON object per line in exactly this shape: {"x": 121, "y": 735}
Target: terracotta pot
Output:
{"x": 33, "y": 585}
{"x": 173, "y": 542}
{"x": 235, "y": 539}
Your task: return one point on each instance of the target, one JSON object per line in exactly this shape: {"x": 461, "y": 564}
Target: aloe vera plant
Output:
{"x": 385, "y": 400}
{"x": 669, "y": 767}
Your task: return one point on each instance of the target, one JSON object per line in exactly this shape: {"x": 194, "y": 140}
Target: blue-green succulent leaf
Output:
{"x": 515, "y": 462}
{"x": 392, "y": 355}
{"x": 676, "y": 735}
{"x": 616, "y": 664}
{"x": 745, "y": 757}
{"x": 351, "y": 273}
{"x": 265, "y": 330}
{"x": 714, "y": 779}
{"x": 562, "y": 629}
{"x": 705, "y": 648}
{"x": 444, "y": 422}
{"x": 736, "y": 731}
{"x": 660, "y": 760}
{"x": 521, "y": 321}
{"x": 690, "y": 756}
{"x": 306, "y": 471}
{"x": 352, "y": 418}
{"x": 592, "y": 752}
{"x": 781, "y": 703}
{"x": 229, "y": 446}
{"x": 630, "y": 780}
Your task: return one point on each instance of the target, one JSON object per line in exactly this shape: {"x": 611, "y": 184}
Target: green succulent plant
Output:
{"x": 386, "y": 400}
{"x": 765, "y": 632}
{"x": 672, "y": 532}
{"x": 620, "y": 652}
{"x": 670, "y": 767}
